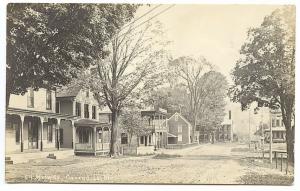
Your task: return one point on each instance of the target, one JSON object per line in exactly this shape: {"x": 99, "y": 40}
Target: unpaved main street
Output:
{"x": 221, "y": 163}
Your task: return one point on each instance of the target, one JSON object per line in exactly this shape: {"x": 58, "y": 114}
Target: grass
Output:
{"x": 165, "y": 156}
{"x": 270, "y": 179}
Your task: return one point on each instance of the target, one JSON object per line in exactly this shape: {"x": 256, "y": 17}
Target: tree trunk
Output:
{"x": 287, "y": 111}
{"x": 7, "y": 98}
{"x": 114, "y": 133}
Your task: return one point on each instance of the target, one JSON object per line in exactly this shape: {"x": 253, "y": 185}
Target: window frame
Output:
{"x": 94, "y": 112}
{"x": 86, "y": 111}
{"x": 30, "y": 98}
{"x": 48, "y": 100}
{"x": 78, "y": 109}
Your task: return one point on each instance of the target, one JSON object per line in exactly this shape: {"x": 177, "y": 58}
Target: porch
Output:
{"x": 91, "y": 137}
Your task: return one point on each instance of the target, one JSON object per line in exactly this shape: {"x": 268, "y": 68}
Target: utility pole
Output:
{"x": 271, "y": 137}
{"x": 249, "y": 130}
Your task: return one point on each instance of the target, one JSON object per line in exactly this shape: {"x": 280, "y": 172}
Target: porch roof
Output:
{"x": 171, "y": 135}
{"x": 89, "y": 123}
{"x": 18, "y": 111}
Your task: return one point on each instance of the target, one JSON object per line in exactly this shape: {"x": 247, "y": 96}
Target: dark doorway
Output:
{"x": 33, "y": 133}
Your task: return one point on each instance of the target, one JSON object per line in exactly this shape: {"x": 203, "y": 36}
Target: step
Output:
{"x": 9, "y": 162}
{"x": 7, "y": 158}
{"x": 51, "y": 156}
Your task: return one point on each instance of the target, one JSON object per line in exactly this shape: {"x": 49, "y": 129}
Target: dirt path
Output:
{"x": 203, "y": 164}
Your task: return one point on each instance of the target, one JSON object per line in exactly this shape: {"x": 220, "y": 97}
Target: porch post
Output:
{"x": 58, "y": 133}
{"x": 102, "y": 137}
{"x": 22, "y": 132}
{"x": 94, "y": 140}
{"x": 74, "y": 135}
{"x": 42, "y": 132}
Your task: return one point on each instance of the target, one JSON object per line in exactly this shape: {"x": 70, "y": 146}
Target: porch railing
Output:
{"x": 83, "y": 147}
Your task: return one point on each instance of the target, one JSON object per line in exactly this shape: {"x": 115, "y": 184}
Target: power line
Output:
{"x": 141, "y": 16}
{"x": 148, "y": 20}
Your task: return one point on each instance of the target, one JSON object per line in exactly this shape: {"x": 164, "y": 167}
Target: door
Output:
{"x": 33, "y": 135}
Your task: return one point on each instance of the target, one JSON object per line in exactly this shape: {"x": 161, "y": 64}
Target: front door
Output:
{"x": 33, "y": 135}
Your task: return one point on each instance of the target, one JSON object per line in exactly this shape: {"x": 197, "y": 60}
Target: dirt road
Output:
{"x": 203, "y": 164}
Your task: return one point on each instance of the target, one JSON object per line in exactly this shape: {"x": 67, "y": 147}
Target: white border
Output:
{"x": 79, "y": 187}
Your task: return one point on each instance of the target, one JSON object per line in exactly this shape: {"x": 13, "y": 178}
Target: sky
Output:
{"x": 216, "y": 32}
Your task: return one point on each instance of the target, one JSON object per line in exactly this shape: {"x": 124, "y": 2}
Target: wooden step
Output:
{"x": 9, "y": 162}
{"x": 7, "y": 158}
{"x": 51, "y": 156}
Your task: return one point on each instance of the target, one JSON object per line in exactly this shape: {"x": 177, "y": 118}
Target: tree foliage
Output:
{"x": 133, "y": 124}
{"x": 48, "y": 43}
{"x": 265, "y": 73}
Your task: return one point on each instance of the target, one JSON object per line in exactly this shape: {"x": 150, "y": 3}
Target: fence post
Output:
{"x": 281, "y": 163}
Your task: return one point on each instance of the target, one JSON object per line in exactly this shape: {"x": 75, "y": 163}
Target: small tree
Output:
{"x": 133, "y": 124}
{"x": 266, "y": 71}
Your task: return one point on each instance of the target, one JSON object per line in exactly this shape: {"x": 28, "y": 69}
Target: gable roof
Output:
{"x": 68, "y": 91}
{"x": 184, "y": 119}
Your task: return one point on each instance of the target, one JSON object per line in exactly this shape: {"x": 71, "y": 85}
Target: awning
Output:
{"x": 89, "y": 123}
{"x": 171, "y": 135}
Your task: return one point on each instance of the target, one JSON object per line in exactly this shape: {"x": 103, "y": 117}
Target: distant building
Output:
{"x": 179, "y": 130}
{"x": 278, "y": 128}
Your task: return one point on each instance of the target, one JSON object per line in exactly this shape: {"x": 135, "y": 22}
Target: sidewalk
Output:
{"x": 28, "y": 156}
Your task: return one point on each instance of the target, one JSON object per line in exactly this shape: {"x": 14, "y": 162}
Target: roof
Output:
{"x": 89, "y": 123}
{"x": 68, "y": 91}
{"x": 171, "y": 135}
{"x": 184, "y": 119}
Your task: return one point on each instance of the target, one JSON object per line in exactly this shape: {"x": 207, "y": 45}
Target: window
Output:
{"x": 142, "y": 140}
{"x": 277, "y": 123}
{"x": 93, "y": 112}
{"x": 78, "y": 109}
{"x": 179, "y": 128}
{"x": 229, "y": 114}
{"x": 48, "y": 99}
{"x": 180, "y": 137}
{"x": 273, "y": 122}
{"x": 83, "y": 135}
{"x": 87, "y": 93}
{"x": 18, "y": 132}
{"x": 57, "y": 107}
{"x": 176, "y": 117}
{"x": 50, "y": 132}
{"x": 86, "y": 111}
{"x": 30, "y": 98}
{"x": 124, "y": 138}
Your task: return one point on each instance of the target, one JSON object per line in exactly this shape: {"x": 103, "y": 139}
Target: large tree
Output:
{"x": 48, "y": 43}
{"x": 265, "y": 73}
{"x": 189, "y": 70}
{"x": 133, "y": 68}
{"x": 213, "y": 88}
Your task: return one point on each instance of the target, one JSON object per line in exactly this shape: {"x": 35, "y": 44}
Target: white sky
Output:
{"x": 216, "y": 32}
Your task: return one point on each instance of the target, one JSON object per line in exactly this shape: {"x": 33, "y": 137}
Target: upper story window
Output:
{"x": 179, "y": 129}
{"x": 78, "y": 109}
{"x": 30, "y": 98}
{"x": 176, "y": 117}
{"x": 87, "y": 93}
{"x": 57, "y": 107}
{"x": 229, "y": 115}
{"x": 93, "y": 112}
{"x": 86, "y": 111}
{"x": 273, "y": 122}
{"x": 48, "y": 100}
{"x": 277, "y": 123}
